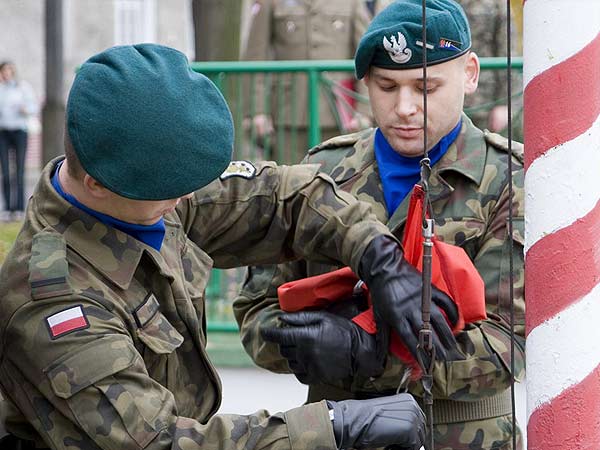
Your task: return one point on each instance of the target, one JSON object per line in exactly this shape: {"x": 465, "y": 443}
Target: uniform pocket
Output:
{"x": 110, "y": 407}
{"x": 94, "y": 361}
{"x": 159, "y": 335}
{"x": 463, "y": 232}
{"x": 481, "y": 374}
{"x": 289, "y": 28}
{"x": 499, "y": 340}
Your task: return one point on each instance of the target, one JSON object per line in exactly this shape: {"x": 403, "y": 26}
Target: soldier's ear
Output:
{"x": 94, "y": 188}
{"x": 472, "y": 69}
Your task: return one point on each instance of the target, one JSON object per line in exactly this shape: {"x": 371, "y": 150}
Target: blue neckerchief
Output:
{"x": 400, "y": 173}
{"x": 151, "y": 235}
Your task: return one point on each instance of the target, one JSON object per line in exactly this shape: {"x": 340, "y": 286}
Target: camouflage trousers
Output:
{"x": 493, "y": 434}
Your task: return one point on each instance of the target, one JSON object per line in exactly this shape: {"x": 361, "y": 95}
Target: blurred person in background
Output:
{"x": 488, "y": 106}
{"x": 305, "y": 30}
{"x": 17, "y": 106}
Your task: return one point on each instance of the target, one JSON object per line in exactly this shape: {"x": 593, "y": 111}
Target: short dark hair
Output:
{"x": 5, "y": 63}
{"x": 74, "y": 167}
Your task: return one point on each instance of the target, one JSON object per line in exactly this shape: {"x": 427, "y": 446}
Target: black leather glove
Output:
{"x": 378, "y": 422}
{"x": 323, "y": 347}
{"x": 395, "y": 288}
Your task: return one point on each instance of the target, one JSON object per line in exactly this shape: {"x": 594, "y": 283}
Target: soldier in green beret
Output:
{"x": 102, "y": 296}
{"x": 469, "y": 190}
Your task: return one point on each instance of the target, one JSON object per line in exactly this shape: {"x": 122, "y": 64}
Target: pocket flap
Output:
{"x": 159, "y": 335}
{"x": 79, "y": 369}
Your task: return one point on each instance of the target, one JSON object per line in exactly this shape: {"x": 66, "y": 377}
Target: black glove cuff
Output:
{"x": 380, "y": 252}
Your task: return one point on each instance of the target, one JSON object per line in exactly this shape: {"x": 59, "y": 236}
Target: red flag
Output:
{"x": 451, "y": 272}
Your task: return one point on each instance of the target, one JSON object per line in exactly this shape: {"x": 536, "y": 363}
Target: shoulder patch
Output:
{"x": 66, "y": 321}
{"x": 244, "y": 169}
{"x": 346, "y": 140}
{"x": 48, "y": 267}
{"x": 500, "y": 142}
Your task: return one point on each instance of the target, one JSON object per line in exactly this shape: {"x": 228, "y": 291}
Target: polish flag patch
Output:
{"x": 66, "y": 321}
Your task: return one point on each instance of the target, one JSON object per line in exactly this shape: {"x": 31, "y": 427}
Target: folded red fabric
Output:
{"x": 452, "y": 272}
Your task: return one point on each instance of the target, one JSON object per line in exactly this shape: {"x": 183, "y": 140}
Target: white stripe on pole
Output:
{"x": 563, "y": 350}
{"x": 556, "y": 30}
{"x": 560, "y": 187}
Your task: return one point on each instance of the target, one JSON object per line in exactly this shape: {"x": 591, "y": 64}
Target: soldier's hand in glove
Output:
{"x": 323, "y": 347}
{"x": 378, "y": 422}
{"x": 395, "y": 288}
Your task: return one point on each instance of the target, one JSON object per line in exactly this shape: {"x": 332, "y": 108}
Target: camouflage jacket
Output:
{"x": 469, "y": 192}
{"x": 103, "y": 337}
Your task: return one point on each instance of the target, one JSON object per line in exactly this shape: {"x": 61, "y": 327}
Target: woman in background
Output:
{"x": 17, "y": 105}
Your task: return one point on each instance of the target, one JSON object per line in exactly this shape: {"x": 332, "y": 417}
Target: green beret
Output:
{"x": 145, "y": 125}
{"x": 393, "y": 40}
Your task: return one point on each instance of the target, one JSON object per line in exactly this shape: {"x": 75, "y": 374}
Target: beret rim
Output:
{"x": 144, "y": 146}
{"x": 414, "y": 66}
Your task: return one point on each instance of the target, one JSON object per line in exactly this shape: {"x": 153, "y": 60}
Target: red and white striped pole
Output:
{"x": 562, "y": 210}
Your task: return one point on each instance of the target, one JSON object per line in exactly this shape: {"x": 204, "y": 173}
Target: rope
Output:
{"x": 510, "y": 228}
{"x": 426, "y": 350}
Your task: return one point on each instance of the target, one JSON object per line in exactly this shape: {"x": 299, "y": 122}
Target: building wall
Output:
{"x": 89, "y": 27}
{"x": 22, "y": 39}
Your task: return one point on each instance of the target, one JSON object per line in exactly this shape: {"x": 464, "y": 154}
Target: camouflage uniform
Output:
{"x": 470, "y": 201}
{"x": 296, "y": 30}
{"x": 136, "y": 373}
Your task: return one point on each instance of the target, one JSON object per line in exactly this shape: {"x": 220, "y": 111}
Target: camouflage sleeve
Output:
{"x": 257, "y": 306}
{"x": 90, "y": 389}
{"x": 277, "y": 214}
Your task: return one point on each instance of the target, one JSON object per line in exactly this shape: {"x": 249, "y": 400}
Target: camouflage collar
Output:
{"x": 113, "y": 253}
{"x": 467, "y": 155}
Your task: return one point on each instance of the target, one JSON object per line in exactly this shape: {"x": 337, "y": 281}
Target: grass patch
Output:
{"x": 8, "y": 234}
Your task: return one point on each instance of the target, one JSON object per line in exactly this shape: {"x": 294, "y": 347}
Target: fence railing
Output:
{"x": 281, "y": 109}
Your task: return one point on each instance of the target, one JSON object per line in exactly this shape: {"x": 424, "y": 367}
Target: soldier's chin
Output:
{"x": 406, "y": 147}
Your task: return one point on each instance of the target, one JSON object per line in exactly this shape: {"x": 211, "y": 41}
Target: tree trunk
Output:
{"x": 53, "y": 111}
{"x": 217, "y": 29}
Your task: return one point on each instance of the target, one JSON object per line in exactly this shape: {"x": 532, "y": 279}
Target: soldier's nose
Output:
{"x": 405, "y": 104}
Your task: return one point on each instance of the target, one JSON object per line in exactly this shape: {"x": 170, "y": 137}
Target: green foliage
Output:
{"x": 8, "y": 234}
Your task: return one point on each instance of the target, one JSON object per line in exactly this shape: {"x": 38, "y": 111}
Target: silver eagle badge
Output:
{"x": 397, "y": 48}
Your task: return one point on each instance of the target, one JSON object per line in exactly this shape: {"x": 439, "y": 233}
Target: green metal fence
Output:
{"x": 306, "y": 91}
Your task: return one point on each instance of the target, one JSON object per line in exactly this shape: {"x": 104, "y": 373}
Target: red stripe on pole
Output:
{"x": 562, "y": 267}
{"x": 562, "y": 102}
{"x": 569, "y": 421}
